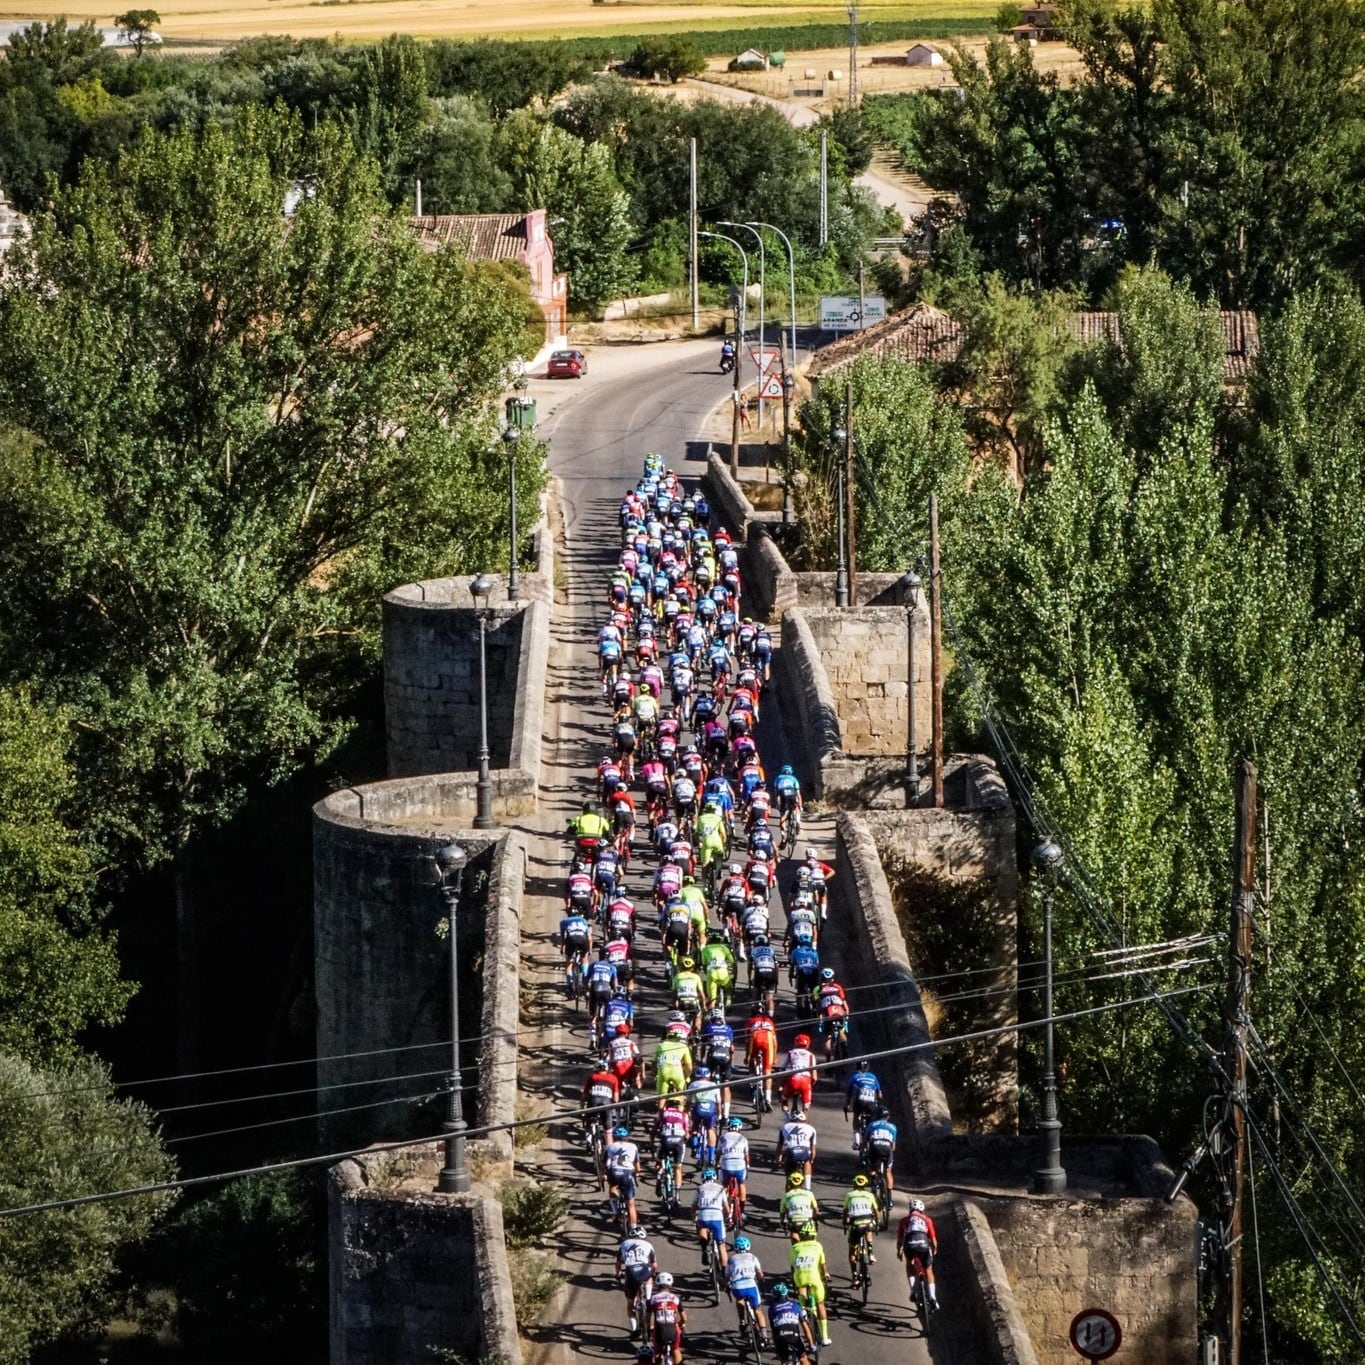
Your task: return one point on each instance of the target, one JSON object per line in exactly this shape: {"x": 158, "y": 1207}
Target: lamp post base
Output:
{"x": 483, "y": 797}
{"x": 841, "y": 587}
{"x": 1050, "y": 1178}
{"x": 454, "y": 1177}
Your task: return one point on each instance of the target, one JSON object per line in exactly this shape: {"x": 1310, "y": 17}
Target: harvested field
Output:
{"x": 213, "y": 21}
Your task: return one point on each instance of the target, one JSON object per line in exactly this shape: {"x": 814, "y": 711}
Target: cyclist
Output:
{"x": 711, "y": 835}
{"x": 575, "y": 938}
{"x": 751, "y": 775}
{"x": 733, "y": 1153}
{"x": 618, "y": 954}
{"x": 732, "y": 894}
{"x": 655, "y": 777}
{"x": 623, "y": 736}
{"x": 709, "y": 1207}
{"x": 763, "y": 652}
{"x": 808, "y": 1275}
{"x": 860, "y": 1218}
{"x": 672, "y": 1067}
{"x": 719, "y": 790}
{"x": 590, "y": 823}
{"x": 801, "y": 1065}
{"x": 802, "y": 925}
{"x": 744, "y": 1277}
{"x": 671, "y": 1131}
{"x": 609, "y": 655}
{"x": 621, "y": 805}
{"x": 621, "y": 918}
{"x": 636, "y": 1266}
{"x": 623, "y": 1056}
{"x": 695, "y": 899}
{"x": 761, "y": 1054}
{"x": 607, "y": 869}
{"x": 623, "y": 1170}
{"x": 689, "y": 991}
{"x": 796, "y": 1143}
{"x": 820, "y": 873}
{"x": 864, "y": 1098}
{"x": 763, "y": 972}
{"x": 792, "y": 1337}
{"x": 759, "y": 875}
{"x": 833, "y": 1007}
{"x": 684, "y": 798}
{"x": 718, "y": 969}
{"x": 677, "y": 926}
{"x": 879, "y": 1146}
{"x": 916, "y": 1244}
{"x": 703, "y": 1095}
{"x": 798, "y": 1205}
{"x": 601, "y": 1094}
{"x": 667, "y": 1320}
{"x": 718, "y": 1050}
{"x": 803, "y": 969}
{"x": 787, "y": 788}
{"x": 760, "y": 842}
{"x": 600, "y": 980}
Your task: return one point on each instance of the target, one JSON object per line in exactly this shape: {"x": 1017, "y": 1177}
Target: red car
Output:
{"x": 567, "y": 365}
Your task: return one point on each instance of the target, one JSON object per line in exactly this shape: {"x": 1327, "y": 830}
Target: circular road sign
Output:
{"x": 1096, "y": 1334}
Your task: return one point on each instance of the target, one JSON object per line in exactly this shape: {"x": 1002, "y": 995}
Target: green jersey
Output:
{"x": 808, "y": 1262}
{"x": 798, "y": 1207}
{"x": 718, "y": 960}
{"x": 860, "y": 1206}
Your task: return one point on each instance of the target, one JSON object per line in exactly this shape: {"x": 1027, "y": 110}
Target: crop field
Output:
{"x": 217, "y": 21}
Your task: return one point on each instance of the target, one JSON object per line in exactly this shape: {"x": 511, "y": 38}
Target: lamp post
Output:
{"x": 912, "y": 587}
{"x": 741, "y": 327}
{"x": 840, "y": 435}
{"x": 450, "y": 860}
{"x": 480, "y": 588}
{"x": 791, "y": 278}
{"x": 510, "y": 437}
{"x": 762, "y": 291}
{"x": 1050, "y": 1178}
{"x": 788, "y": 389}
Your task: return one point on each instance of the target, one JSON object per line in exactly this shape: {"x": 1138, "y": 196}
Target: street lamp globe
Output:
{"x": 481, "y": 587}
{"x": 1048, "y": 858}
{"x": 510, "y": 437}
{"x": 840, "y": 436}
{"x": 450, "y": 859}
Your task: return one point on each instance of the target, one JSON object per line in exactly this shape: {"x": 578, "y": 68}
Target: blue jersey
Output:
{"x": 786, "y": 1316}
{"x": 786, "y": 784}
{"x": 879, "y": 1138}
{"x": 618, "y": 1012}
{"x": 762, "y": 958}
{"x": 805, "y": 958}
{"x": 575, "y": 929}
{"x": 719, "y": 1040}
{"x": 718, "y": 790}
{"x": 601, "y": 975}
{"x": 864, "y": 1088}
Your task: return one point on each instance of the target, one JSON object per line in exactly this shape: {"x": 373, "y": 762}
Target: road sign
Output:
{"x": 1096, "y": 1334}
{"x": 771, "y": 387}
{"x": 842, "y": 313}
{"x": 765, "y": 359}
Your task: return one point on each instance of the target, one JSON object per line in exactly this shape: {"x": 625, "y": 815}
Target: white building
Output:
{"x": 924, "y": 54}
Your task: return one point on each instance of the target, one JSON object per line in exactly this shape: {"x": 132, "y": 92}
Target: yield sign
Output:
{"x": 771, "y": 387}
{"x": 765, "y": 358}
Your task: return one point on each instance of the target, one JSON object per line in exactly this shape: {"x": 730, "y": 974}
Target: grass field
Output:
{"x": 216, "y": 21}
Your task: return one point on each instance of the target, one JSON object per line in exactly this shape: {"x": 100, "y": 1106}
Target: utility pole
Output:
{"x": 734, "y": 416}
{"x": 1236, "y": 1022}
{"x": 862, "y": 299}
{"x": 848, "y": 494}
{"x": 853, "y": 56}
{"x": 936, "y": 648}
{"x": 692, "y": 243}
{"x": 824, "y": 189}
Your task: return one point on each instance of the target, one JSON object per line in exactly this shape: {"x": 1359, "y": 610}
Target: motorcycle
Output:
{"x": 727, "y": 359}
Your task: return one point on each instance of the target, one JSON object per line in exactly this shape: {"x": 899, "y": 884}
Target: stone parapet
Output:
{"x": 808, "y": 701}
{"x": 881, "y": 961}
{"x": 989, "y": 1291}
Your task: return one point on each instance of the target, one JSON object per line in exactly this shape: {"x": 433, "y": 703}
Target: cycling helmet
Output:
{"x": 735, "y": 1124}
{"x": 860, "y": 1181}
{"x": 808, "y": 1231}
{"x": 709, "y": 1173}
{"x": 917, "y": 1206}
{"x": 623, "y": 1030}
{"x": 664, "y": 1280}
{"x": 799, "y": 1114}
{"x": 861, "y": 1064}
{"x": 827, "y": 974}
{"x": 742, "y": 1243}
{"x": 621, "y": 1131}
{"x": 802, "y": 1040}
{"x": 787, "y": 771}
{"x": 795, "y": 1180}
{"x": 782, "y": 1290}
{"x": 676, "y": 1017}
{"x": 735, "y": 869}
{"x": 587, "y": 807}
{"x": 810, "y": 854}
{"x": 703, "y": 1072}
{"x": 637, "y": 1230}
{"x": 689, "y": 880}
{"x": 717, "y": 1016}
{"x": 687, "y": 965}
{"x": 883, "y": 1112}
{"x": 759, "y": 938}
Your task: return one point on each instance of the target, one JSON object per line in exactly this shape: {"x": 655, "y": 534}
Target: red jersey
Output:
{"x": 602, "y": 1087}
{"x": 665, "y": 1309}
{"x": 916, "y": 1227}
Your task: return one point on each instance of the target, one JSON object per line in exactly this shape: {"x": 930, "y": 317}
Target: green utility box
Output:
{"x": 521, "y": 413}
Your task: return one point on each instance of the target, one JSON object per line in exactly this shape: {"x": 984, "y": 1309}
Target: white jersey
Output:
{"x": 801, "y": 1060}
{"x": 797, "y": 1136}
{"x": 635, "y": 1251}
{"x": 710, "y": 1200}
{"x": 756, "y": 920}
{"x": 622, "y": 1157}
{"x": 734, "y": 1153}
{"x": 743, "y": 1270}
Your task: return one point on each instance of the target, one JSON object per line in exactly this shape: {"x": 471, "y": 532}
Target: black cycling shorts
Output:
{"x": 921, "y": 1251}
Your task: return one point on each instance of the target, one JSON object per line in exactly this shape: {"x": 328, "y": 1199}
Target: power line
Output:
{"x": 190, "y": 1182}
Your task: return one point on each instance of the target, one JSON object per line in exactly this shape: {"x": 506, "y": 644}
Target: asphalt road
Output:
{"x": 656, "y": 398}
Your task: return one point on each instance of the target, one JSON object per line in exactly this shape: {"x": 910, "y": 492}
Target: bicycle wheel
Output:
{"x": 864, "y": 1270}
{"x": 753, "y": 1344}
{"x": 756, "y": 1099}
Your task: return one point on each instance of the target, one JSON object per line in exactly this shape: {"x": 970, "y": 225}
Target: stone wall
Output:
{"x": 412, "y": 1271}
{"x": 808, "y": 703}
{"x": 864, "y": 652}
{"x": 381, "y": 964}
{"x": 987, "y": 1290}
{"x": 1134, "y": 1257}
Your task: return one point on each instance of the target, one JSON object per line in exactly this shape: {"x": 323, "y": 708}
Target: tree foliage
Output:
{"x": 66, "y": 1135}
{"x": 246, "y": 431}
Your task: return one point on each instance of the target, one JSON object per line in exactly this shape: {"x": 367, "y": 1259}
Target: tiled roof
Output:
{"x": 483, "y": 236}
{"x": 925, "y": 335}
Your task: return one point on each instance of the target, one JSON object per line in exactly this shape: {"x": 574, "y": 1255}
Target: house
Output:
{"x": 1045, "y": 20}
{"x": 521, "y": 237}
{"x": 751, "y": 59}
{"x": 924, "y": 54}
{"x": 1025, "y": 33}
{"x": 923, "y": 335}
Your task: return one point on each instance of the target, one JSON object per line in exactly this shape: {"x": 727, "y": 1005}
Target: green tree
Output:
{"x": 66, "y": 1135}
{"x": 458, "y": 162}
{"x": 1008, "y": 16}
{"x": 137, "y": 28}
{"x": 392, "y": 107}
{"x": 247, "y": 431}
{"x": 670, "y": 56}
